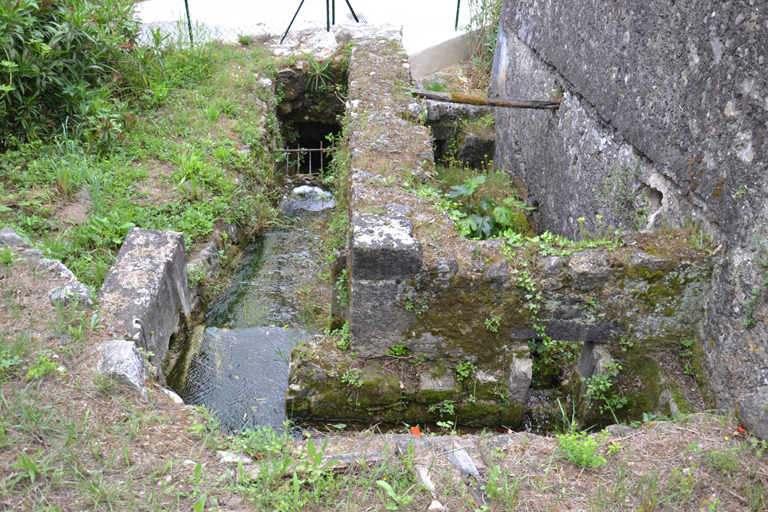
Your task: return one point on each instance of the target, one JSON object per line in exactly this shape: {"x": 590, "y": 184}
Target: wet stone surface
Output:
{"x": 236, "y": 361}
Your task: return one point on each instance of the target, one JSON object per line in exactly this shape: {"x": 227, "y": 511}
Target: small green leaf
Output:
{"x": 200, "y": 505}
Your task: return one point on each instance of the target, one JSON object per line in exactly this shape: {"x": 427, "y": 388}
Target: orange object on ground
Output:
{"x": 415, "y": 431}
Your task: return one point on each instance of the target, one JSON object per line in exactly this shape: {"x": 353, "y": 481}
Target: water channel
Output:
{"x": 236, "y": 361}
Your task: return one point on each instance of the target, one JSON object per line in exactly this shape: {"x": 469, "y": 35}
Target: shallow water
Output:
{"x": 236, "y": 362}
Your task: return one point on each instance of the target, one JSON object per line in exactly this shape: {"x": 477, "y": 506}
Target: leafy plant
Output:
{"x": 198, "y": 274}
{"x": 244, "y": 39}
{"x": 352, "y": 378}
{"x": 750, "y": 305}
{"x": 7, "y": 257}
{"x": 343, "y": 332}
{"x": 492, "y": 324}
{"x": 447, "y": 426}
{"x": 313, "y": 467}
{"x": 41, "y": 366}
{"x": 686, "y": 352}
{"x": 397, "y": 350}
{"x": 59, "y": 67}
{"x": 599, "y": 389}
{"x": 341, "y": 286}
{"x": 702, "y": 241}
{"x": 444, "y": 408}
{"x": 581, "y": 449}
{"x": 318, "y": 73}
{"x": 419, "y": 307}
{"x": 625, "y": 344}
{"x": 465, "y": 370}
{"x": 480, "y": 217}
{"x": 396, "y": 499}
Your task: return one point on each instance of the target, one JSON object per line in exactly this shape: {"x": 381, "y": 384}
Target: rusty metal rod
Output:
{"x": 493, "y": 102}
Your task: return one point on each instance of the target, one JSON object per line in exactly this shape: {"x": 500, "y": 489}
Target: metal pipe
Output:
{"x": 352, "y": 10}
{"x": 327, "y": 16}
{"x": 289, "y": 25}
{"x": 458, "y": 5}
{"x": 321, "y": 157}
{"x": 333, "y": 12}
{"x": 189, "y": 24}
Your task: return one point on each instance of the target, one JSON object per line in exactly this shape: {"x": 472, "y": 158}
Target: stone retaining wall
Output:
{"x": 673, "y": 94}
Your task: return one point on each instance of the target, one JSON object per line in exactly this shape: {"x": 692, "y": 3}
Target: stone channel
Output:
{"x": 416, "y": 298}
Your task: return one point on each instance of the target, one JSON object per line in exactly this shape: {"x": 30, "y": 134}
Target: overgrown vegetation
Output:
{"x": 177, "y": 164}
{"x": 67, "y": 67}
{"x": 481, "y": 205}
{"x": 483, "y": 30}
{"x": 600, "y": 392}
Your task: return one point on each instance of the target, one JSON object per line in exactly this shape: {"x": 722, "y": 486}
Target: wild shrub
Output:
{"x": 59, "y": 67}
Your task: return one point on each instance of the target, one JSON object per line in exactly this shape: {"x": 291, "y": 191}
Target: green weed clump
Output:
{"x": 481, "y": 205}
{"x": 483, "y": 30}
{"x": 581, "y": 449}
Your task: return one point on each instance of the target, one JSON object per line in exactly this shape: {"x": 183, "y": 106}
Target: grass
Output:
{"x": 181, "y": 167}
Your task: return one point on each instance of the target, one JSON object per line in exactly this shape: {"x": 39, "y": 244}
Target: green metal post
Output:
{"x": 458, "y": 6}
{"x": 291, "y": 23}
{"x": 189, "y": 24}
{"x": 353, "y": 11}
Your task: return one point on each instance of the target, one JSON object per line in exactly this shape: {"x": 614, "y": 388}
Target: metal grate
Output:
{"x": 302, "y": 152}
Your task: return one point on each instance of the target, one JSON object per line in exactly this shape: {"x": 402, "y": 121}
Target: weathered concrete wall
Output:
{"x": 146, "y": 291}
{"x": 680, "y": 88}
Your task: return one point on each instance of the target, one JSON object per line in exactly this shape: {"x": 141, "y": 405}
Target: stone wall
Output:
{"x": 671, "y": 95}
{"x": 438, "y": 322}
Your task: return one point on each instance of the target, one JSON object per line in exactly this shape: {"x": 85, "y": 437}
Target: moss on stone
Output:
{"x": 379, "y": 387}
{"x": 428, "y": 396}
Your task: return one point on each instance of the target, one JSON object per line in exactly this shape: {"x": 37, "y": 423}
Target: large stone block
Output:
{"x": 383, "y": 248}
{"x": 146, "y": 291}
{"x": 753, "y": 412}
{"x": 589, "y": 269}
{"x": 121, "y": 361}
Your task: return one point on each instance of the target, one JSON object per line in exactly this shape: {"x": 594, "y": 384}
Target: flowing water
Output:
{"x": 236, "y": 361}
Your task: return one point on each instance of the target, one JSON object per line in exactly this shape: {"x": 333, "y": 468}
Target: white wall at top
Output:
{"x": 425, "y": 22}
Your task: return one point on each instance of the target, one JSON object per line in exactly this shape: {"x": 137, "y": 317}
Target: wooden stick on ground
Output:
{"x": 476, "y": 100}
